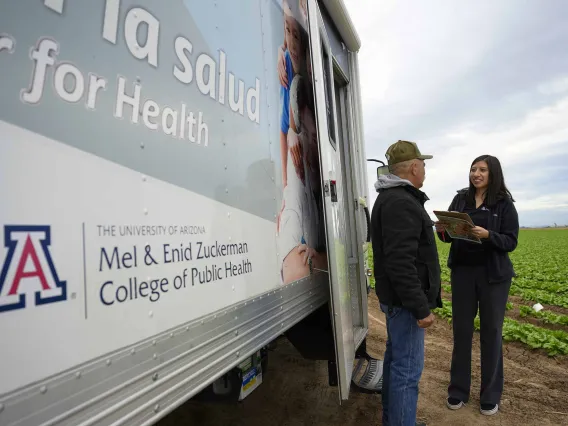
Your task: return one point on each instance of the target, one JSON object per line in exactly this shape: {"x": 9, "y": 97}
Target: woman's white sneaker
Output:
{"x": 454, "y": 403}
{"x": 489, "y": 409}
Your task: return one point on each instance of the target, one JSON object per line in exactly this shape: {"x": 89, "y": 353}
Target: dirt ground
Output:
{"x": 295, "y": 391}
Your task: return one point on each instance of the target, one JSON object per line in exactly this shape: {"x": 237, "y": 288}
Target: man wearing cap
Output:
{"x": 407, "y": 275}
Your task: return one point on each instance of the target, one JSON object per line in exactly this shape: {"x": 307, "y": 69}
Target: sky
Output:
{"x": 463, "y": 79}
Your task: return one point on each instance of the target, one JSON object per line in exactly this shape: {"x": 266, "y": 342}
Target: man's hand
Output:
{"x": 426, "y": 322}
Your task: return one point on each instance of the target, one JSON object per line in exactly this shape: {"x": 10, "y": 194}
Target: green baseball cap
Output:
{"x": 404, "y": 151}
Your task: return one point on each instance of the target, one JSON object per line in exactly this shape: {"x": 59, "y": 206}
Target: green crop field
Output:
{"x": 540, "y": 262}
{"x": 541, "y": 265}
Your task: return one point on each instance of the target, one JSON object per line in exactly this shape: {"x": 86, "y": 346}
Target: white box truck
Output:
{"x": 181, "y": 183}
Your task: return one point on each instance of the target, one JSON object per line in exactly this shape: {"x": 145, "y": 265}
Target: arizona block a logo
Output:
{"x": 28, "y": 271}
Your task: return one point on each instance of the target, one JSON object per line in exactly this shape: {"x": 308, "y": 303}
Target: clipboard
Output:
{"x": 458, "y": 225}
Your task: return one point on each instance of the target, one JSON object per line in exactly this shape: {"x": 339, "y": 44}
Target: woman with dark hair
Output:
{"x": 481, "y": 277}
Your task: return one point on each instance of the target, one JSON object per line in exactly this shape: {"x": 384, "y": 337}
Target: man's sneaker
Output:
{"x": 489, "y": 409}
{"x": 454, "y": 403}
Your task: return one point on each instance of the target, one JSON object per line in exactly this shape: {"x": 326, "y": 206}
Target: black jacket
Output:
{"x": 407, "y": 269}
{"x": 503, "y": 227}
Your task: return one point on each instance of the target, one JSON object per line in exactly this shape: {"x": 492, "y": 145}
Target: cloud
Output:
{"x": 533, "y": 152}
{"x": 465, "y": 79}
{"x": 558, "y": 86}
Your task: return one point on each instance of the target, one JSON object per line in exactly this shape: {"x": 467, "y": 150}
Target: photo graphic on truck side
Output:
{"x": 301, "y": 228}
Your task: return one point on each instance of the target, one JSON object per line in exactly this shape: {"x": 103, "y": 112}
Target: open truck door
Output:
{"x": 336, "y": 101}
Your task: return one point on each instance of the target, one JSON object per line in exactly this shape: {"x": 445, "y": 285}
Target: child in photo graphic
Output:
{"x": 289, "y": 64}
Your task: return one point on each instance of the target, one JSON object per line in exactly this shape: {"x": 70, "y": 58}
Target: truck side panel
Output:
{"x": 141, "y": 187}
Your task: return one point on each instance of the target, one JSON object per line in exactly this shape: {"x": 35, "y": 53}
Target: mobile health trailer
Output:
{"x": 181, "y": 183}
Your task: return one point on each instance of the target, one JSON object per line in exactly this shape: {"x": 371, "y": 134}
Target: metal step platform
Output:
{"x": 368, "y": 375}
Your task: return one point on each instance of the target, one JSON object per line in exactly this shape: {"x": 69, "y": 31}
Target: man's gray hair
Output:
{"x": 401, "y": 168}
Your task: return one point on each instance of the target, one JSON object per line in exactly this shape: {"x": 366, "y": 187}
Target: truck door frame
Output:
{"x": 346, "y": 140}
{"x": 341, "y": 229}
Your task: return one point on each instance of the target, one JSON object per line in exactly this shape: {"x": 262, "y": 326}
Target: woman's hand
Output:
{"x": 297, "y": 153}
{"x": 295, "y": 148}
{"x": 440, "y": 227}
{"x": 281, "y": 66}
{"x": 308, "y": 252}
{"x": 480, "y": 232}
{"x": 280, "y": 216}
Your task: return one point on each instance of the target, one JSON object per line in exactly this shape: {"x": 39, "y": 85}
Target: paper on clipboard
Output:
{"x": 458, "y": 225}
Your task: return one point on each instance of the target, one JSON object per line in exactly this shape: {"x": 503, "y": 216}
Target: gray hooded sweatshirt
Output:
{"x": 390, "y": 181}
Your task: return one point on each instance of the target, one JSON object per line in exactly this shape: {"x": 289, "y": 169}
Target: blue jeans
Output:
{"x": 403, "y": 365}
